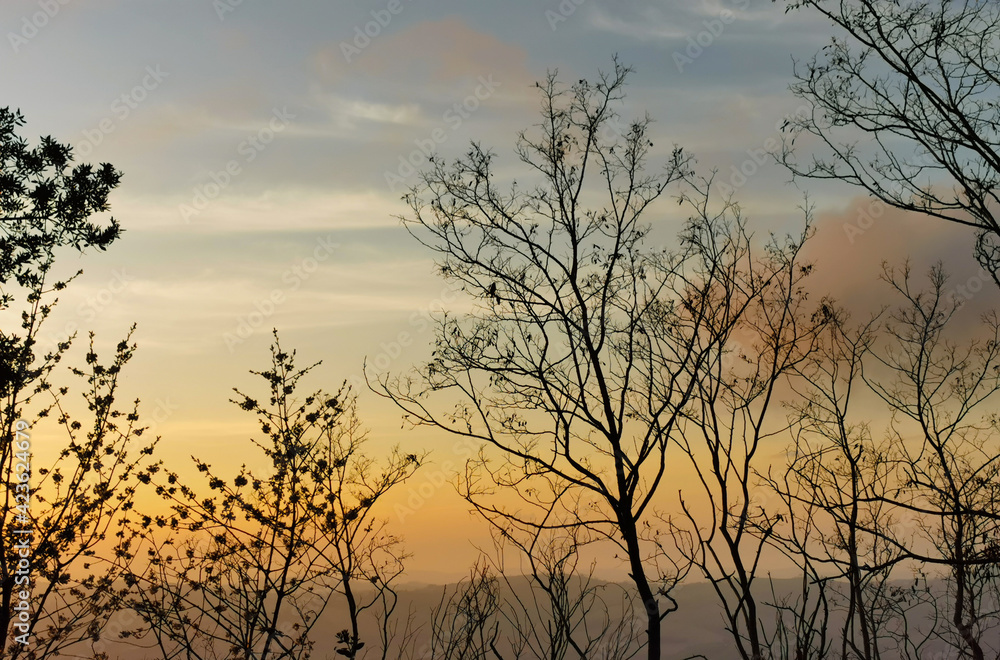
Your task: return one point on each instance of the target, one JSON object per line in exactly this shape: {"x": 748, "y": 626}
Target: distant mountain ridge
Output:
{"x": 697, "y": 628}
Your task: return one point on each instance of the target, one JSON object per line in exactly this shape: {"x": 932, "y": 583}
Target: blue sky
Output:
{"x": 278, "y": 125}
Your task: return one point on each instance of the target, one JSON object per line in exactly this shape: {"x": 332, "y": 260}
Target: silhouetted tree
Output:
{"x": 923, "y": 498}
{"x": 80, "y": 546}
{"x": 467, "y": 623}
{"x": 246, "y": 570}
{"x": 586, "y": 346}
{"x": 904, "y": 106}
{"x": 562, "y": 611}
{"x": 45, "y": 204}
{"x": 763, "y": 328}
{"x": 835, "y": 487}
{"x": 941, "y": 392}
{"x": 549, "y": 610}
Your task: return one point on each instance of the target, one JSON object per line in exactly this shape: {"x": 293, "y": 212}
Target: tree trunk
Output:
{"x": 638, "y": 575}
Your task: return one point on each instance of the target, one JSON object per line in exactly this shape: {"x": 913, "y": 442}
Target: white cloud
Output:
{"x": 652, "y": 26}
{"x": 348, "y": 112}
{"x": 289, "y": 209}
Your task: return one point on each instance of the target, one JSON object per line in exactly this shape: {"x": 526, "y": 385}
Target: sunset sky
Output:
{"x": 264, "y": 148}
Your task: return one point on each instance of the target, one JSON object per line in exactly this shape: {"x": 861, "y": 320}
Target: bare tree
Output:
{"x": 548, "y": 610}
{"x": 904, "y": 106}
{"x": 923, "y": 498}
{"x": 762, "y": 328}
{"x": 836, "y": 487}
{"x": 561, "y": 611}
{"x": 801, "y": 620}
{"x": 940, "y": 390}
{"x": 586, "y": 345}
{"x": 467, "y": 623}
{"x": 247, "y": 571}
